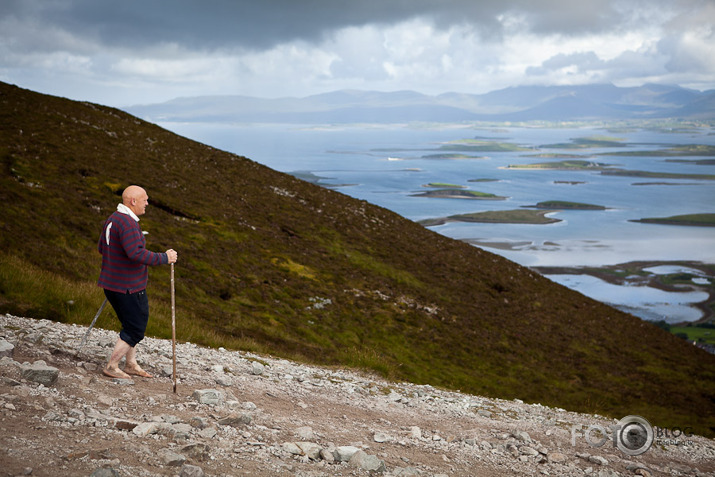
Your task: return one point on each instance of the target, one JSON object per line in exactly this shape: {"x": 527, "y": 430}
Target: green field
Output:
{"x": 698, "y": 334}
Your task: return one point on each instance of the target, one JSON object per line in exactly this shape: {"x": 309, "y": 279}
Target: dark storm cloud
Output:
{"x": 132, "y": 51}
{"x": 260, "y": 24}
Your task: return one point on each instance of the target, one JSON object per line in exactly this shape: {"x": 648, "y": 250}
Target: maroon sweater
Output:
{"x": 125, "y": 257}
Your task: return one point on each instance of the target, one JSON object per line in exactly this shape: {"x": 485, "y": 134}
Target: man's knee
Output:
{"x": 131, "y": 337}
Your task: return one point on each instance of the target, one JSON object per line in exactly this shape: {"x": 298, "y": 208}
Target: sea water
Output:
{"x": 388, "y": 165}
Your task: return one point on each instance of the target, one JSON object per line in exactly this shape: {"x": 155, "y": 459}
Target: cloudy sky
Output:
{"x": 127, "y": 52}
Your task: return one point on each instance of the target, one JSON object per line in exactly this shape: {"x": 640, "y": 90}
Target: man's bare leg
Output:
{"x": 121, "y": 349}
{"x": 132, "y": 367}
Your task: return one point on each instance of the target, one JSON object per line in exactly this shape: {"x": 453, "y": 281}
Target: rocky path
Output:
{"x": 236, "y": 413}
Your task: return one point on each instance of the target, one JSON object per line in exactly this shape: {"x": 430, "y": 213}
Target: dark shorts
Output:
{"x": 132, "y": 309}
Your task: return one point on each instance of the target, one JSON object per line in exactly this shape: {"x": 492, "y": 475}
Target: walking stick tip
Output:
{"x": 173, "y": 328}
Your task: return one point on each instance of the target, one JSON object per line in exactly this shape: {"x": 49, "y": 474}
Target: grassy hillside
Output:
{"x": 277, "y": 265}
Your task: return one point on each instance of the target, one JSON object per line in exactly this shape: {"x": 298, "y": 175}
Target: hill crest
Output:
{"x": 276, "y": 265}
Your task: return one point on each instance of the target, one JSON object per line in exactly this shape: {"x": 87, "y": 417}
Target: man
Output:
{"x": 124, "y": 277}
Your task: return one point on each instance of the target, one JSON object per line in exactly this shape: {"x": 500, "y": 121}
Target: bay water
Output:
{"x": 388, "y": 164}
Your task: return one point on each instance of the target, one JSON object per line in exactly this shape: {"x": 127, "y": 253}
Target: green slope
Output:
{"x": 277, "y": 265}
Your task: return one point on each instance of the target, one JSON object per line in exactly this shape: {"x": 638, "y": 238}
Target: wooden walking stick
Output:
{"x": 173, "y": 327}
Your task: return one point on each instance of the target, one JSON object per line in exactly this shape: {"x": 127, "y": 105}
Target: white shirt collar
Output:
{"x": 126, "y": 210}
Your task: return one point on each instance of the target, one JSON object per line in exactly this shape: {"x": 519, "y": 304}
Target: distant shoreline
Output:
{"x": 519, "y": 216}
{"x": 616, "y": 274}
{"x": 688, "y": 220}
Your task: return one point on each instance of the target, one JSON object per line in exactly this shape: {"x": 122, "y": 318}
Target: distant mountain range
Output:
{"x": 523, "y": 103}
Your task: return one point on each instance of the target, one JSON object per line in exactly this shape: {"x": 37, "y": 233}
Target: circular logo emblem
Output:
{"x": 634, "y": 435}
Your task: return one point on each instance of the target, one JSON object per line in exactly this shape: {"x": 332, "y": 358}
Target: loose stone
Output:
{"x": 367, "y": 462}
{"x": 39, "y": 372}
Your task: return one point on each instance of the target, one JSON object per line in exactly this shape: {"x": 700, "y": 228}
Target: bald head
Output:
{"x": 136, "y": 199}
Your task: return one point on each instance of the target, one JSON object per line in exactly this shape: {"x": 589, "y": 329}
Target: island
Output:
{"x": 586, "y": 143}
{"x": 697, "y": 162}
{"x": 681, "y": 150}
{"x": 693, "y": 220}
{"x": 459, "y": 194}
{"x": 518, "y": 216}
{"x": 553, "y": 155}
{"x": 664, "y": 183}
{"x": 444, "y": 185}
{"x": 566, "y": 165}
{"x": 659, "y": 175}
{"x": 452, "y": 156}
{"x": 562, "y": 204}
{"x": 479, "y": 145}
{"x": 606, "y": 170}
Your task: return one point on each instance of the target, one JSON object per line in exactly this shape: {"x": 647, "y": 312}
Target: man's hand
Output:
{"x": 172, "y": 255}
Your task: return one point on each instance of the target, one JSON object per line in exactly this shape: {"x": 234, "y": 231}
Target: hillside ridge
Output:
{"x": 276, "y": 265}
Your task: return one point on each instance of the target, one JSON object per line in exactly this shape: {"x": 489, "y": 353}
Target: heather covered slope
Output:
{"x": 273, "y": 264}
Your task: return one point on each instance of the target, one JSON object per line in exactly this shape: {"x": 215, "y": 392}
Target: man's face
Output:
{"x": 140, "y": 204}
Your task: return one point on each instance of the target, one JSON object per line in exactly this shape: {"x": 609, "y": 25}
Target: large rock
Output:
{"x": 6, "y": 349}
{"x": 379, "y": 436}
{"x": 292, "y": 448}
{"x": 188, "y": 470}
{"x": 171, "y": 458}
{"x": 212, "y": 397}
{"x": 556, "y": 457}
{"x": 199, "y": 422}
{"x": 597, "y": 459}
{"x": 257, "y": 368}
{"x": 196, "y": 451}
{"x": 367, "y": 462}
{"x": 327, "y": 456}
{"x": 344, "y": 453}
{"x": 125, "y": 424}
{"x": 235, "y": 420}
{"x": 39, "y": 372}
{"x": 310, "y": 449}
{"x": 148, "y": 428}
{"x": 305, "y": 432}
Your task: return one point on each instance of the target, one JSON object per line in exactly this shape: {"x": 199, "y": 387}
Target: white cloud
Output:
{"x": 285, "y": 70}
{"x": 692, "y": 51}
{"x": 357, "y": 53}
